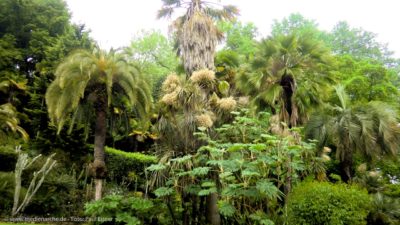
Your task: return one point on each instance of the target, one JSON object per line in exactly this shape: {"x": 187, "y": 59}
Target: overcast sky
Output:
{"x": 114, "y": 22}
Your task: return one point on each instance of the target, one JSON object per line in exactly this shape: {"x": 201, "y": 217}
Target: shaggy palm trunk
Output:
{"x": 289, "y": 87}
{"x": 197, "y": 41}
{"x": 346, "y": 165}
{"x": 99, "y": 142}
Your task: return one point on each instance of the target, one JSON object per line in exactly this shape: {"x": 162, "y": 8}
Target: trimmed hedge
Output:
{"x": 122, "y": 165}
{"x": 136, "y": 156}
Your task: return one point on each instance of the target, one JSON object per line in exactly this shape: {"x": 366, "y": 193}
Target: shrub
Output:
{"x": 127, "y": 209}
{"x": 135, "y": 156}
{"x": 327, "y": 203}
{"x": 122, "y": 165}
{"x": 7, "y": 184}
{"x": 59, "y": 195}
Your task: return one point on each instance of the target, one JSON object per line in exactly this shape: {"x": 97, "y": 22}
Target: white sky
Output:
{"x": 114, "y": 22}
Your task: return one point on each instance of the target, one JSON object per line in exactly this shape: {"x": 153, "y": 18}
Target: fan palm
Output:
{"x": 288, "y": 72}
{"x": 385, "y": 210}
{"x": 86, "y": 85}
{"x": 197, "y": 35}
{"x": 369, "y": 129}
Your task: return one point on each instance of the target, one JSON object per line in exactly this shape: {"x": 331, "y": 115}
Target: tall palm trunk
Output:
{"x": 99, "y": 165}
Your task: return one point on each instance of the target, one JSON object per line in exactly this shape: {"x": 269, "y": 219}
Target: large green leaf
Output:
{"x": 268, "y": 189}
{"x": 226, "y": 209}
{"x": 163, "y": 191}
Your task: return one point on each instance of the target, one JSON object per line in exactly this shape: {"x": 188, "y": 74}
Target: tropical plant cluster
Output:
{"x": 208, "y": 125}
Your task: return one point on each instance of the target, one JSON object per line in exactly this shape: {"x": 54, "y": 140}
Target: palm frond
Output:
{"x": 85, "y": 76}
{"x": 370, "y": 129}
{"x": 343, "y": 98}
{"x": 9, "y": 122}
{"x": 165, "y": 12}
{"x": 295, "y": 63}
{"x": 197, "y": 35}
{"x": 228, "y": 12}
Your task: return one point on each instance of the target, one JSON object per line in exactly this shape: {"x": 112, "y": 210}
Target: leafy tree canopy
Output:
{"x": 359, "y": 43}
{"x": 367, "y": 81}
{"x": 239, "y": 37}
{"x": 296, "y": 23}
{"x": 154, "y": 54}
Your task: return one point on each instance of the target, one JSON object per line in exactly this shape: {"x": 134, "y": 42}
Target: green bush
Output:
{"x": 319, "y": 203}
{"x": 135, "y": 156}
{"x": 123, "y": 166}
{"x": 61, "y": 194}
{"x": 392, "y": 190}
{"x": 128, "y": 209}
{"x": 7, "y": 183}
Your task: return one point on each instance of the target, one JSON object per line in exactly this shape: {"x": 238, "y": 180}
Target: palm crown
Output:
{"x": 288, "y": 72}
{"x": 370, "y": 129}
{"x": 86, "y": 79}
{"x": 197, "y": 35}
{"x": 87, "y": 83}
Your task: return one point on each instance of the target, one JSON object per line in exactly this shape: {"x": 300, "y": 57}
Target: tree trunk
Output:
{"x": 212, "y": 209}
{"x": 185, "y": 211}
{"x": 289, "y": 87}
{"x": 195, "y": 210}
{"x": 98, "y": 188}
{"x": 346, "y": 161}
{"x": 202, "y": 210}
{"x": 99, "y": 142}
{"x": 288, "y": 179}
{"x": 197, "y": 41}
{"x": 171, "y": 211}
{"x": 346, "y": 168}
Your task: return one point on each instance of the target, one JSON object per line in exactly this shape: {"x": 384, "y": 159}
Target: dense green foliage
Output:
{"x": 298, "y": 127}
{"x": 132, "y": 210}
{"x": 155, "y": 55}
{"x": 291, "y": 73}
{"x": 327, "y": 203}
{"x": 248, "y": 167}
{"x": 127, "y": 168}
{"x": 355, "y": 129}
{"x": 135, "y": 156}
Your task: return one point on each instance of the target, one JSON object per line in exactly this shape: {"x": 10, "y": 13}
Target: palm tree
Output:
{"x": 197, "y": 35}
{"x": 86, "y": 85}
{"x": 370, "y": 129}
{"x": 290, "y": 73}
{"x": 9, "y": 122}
